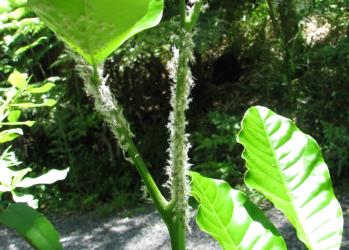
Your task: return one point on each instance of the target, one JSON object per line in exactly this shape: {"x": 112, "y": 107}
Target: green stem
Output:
{"x": 178, "y": 146}
{"x": 194, "y": 15}
{"x": 178, "y": 151}
{"x": 182, "y": 15}
{"x": 108, "y": 106}
{"x": 173, "y": 212}
{"x": 177, "y": 234}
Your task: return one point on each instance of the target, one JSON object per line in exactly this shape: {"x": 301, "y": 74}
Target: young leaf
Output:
{"x": 18, "y": 80}
{"x": 231, "y": 218}
{"x": 48, "y": 178}
{"x": 48, "y": 103}
{"x": 32, "y": 226}
{"x": 10, "y": 134}
{"x": 42, "y": 89}
{"x": 286, "y": 166}
{"x": 18, "y": 175}
{"x": 96, "y": 28}
{"x": 14, "y": 115}
{"x": 26, "y": 123}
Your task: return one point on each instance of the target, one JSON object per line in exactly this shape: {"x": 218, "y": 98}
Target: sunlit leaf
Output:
{"x": 96, "y": 28}
{"x": 8, "y": 159}
{"x": 48, "y": 178}
{"x": 32, "y": 226}
{"x": 286, "y": 166}
{"x": 14, "y": 115}
{"x": 10, "y": 134}
{"x": 25, "y": 198}
{"x": 231, "y": 218}
{"x": 18, "y": 80}
{"x": 6, "y": 176}
{"x": 26, "y": 123}
{"x": 42, "y": 89}
{"x": 4, "y": 189}
{"x": 29, "y": 123}
{"x": 19, "y": 175}
{"x": 48, "y": 103}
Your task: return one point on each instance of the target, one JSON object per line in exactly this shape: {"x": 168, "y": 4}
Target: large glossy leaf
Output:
{"x": 95, "y": 28}
{"x": 286, "y": 165}
{"x": 32, "y": 226}
{"x": 231, "y": 218}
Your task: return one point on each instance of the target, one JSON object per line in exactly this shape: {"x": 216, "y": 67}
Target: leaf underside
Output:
{"x": 32, "y": 226}
{"x": 231, "y": 218}
{"x": 286, "y": 166}
{"x": 96, "y": 28}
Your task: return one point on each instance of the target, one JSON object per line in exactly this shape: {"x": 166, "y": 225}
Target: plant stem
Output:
{"x": 182, "y": 14}
{"x": 177, "y": 234}
{"x": 178, "y": 150}
{"x": 194, "y": 15}
{"x": 173, "y": 212}
{"x": 108, "y": 106}
{"x": 178, "y": 138}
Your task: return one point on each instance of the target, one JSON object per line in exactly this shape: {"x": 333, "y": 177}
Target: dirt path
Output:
{"x": 143, "y": 231}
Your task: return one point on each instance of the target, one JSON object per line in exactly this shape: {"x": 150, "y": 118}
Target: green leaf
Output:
{"x": 48, "y": 178}
{"x": 48, "y": 103}
{"x": 18, "y": 80}
{"x": 14, "y": 115}
{"x": 286, "y": 166}
{"x": 32, "y": 226}
{"x": 24, "y": 49}
{"x": 96, "y": 28}
{"x": 42, "y": 89}
{"x": 10, "y": 134}
{"x": 231, "y": 218}
{"x": 26, "y": 123}
{"x": 29, "y": 123}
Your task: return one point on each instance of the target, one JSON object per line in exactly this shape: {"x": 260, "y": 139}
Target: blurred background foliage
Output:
{"x": 289, "y": 55}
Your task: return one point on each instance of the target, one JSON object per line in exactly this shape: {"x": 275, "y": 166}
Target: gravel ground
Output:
{"x": 144, "y": 231}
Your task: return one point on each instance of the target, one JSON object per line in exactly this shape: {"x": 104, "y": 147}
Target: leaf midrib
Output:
{"x": 215, "y": 214}
{"x": 88, "y": 43}
{"x": 290, "y": 197}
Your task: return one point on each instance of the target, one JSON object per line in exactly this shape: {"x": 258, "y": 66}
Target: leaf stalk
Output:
{"x": 108, "y": 106}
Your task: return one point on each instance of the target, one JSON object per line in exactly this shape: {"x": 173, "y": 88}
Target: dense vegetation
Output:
{"x": 291, "y": 56}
